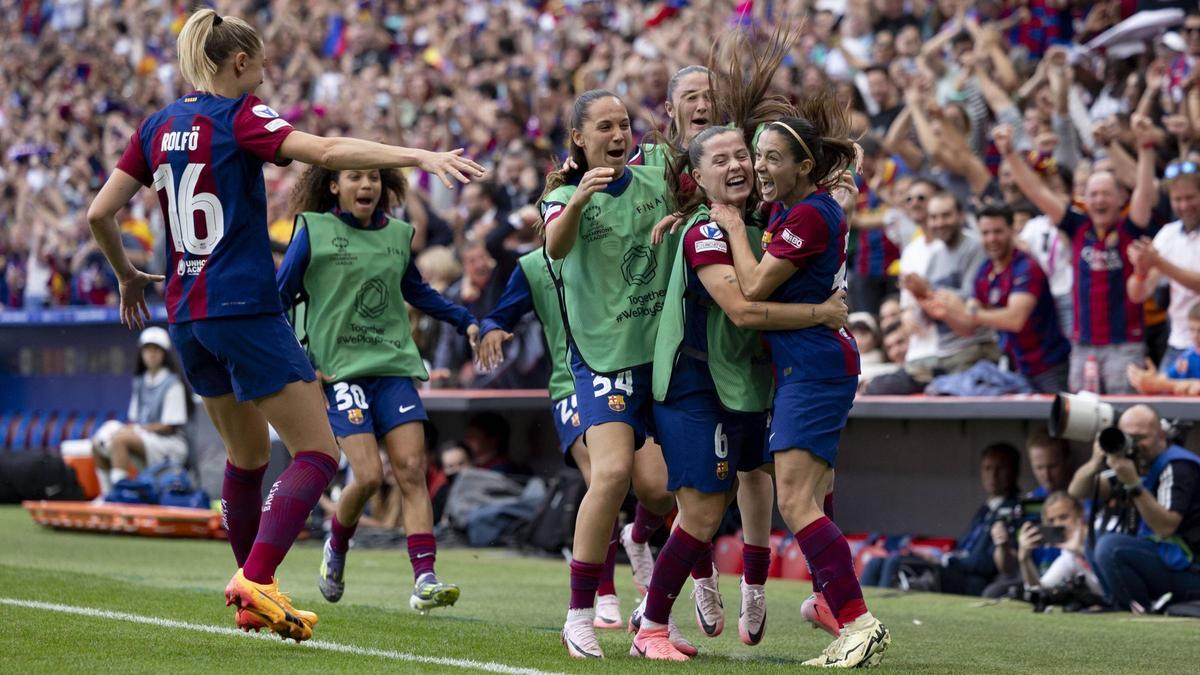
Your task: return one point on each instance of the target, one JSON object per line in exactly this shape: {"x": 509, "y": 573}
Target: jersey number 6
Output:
{"x": 182, "y": 208}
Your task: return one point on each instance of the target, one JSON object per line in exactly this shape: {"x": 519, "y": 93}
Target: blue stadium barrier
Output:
{"x": 37, "y": 430}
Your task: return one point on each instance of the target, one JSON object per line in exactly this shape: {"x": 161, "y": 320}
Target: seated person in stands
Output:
{"x": 1181, "y": 377}
{"x": 486, "y": 436}
{"x": 158, "y": 410}
{"x": 453, "y": 458}
{"x": 1062, "y": 515}
{"x": 970, "y": 567}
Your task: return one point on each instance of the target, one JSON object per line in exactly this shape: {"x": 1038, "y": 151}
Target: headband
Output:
{"x": 797, "y": 137}
{"x": 217, "y": 20}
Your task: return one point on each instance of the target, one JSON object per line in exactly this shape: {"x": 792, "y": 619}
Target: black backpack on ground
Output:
{"x": 553, "y": 525}
{"x": 36, "y": 475}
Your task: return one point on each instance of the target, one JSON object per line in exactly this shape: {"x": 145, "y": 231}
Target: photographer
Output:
{"x": 1063, "y": 528}
{"x": 1163, "y": 484}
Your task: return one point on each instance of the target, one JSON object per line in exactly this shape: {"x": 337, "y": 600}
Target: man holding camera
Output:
{"x": 1160, "y": 481}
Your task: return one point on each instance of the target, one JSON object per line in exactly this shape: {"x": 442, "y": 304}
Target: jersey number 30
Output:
{"x": 183, "y": 207}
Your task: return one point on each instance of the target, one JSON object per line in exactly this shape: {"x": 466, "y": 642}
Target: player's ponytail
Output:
{"x": 741, "y": 73}
{"x": 207, "y": 40}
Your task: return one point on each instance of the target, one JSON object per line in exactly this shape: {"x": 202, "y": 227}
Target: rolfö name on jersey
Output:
{"x": 181, "y": 140}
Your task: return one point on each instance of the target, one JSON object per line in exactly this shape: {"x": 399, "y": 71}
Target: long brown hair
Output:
{"x": 820, "y": 133}
{"x": 312, "y": 193}
{"x": 580, "y": 113}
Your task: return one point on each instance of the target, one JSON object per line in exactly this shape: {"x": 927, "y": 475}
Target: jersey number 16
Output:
{"x": 182, "y": 209}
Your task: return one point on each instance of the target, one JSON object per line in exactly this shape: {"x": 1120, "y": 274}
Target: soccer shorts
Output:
{"x": 251, "y": 356}
{"x": 372, "y": 405}
{"x": 567, "y": 423}
{"x": 621, "y": 397}
{"x": 705, "y": 445}
{"x": 811, "y": 415}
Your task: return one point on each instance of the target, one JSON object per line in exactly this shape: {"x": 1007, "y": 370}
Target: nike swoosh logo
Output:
{"x": 406, "y": 408}
{"x": 757, "y": 637}
{"x": 708, "y": 628}
{"x": 770, "y": 438}
{"x": 671, "y": 597}
{"x": 424, "y": 555}
{"x": 584, "y": 651}
{"x": 642, "y": 652}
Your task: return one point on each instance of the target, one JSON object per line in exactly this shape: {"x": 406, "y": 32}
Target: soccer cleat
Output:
{"x": 608, "y": 612}
{"x": 264, "y": 604}
{"x": 861, "y": 645}
{"x": 752, "y": 618}
{"x": 333, "y": 565}
{"x": 579, "y": 635}
{"x": 816, "y": 611}
{"x": 655, "y": 644}
{"x": 429, "y": 593}
{"x": 673, "y": 632}
{"x": 640, "y": 559}
{"x": 710, "y": 611}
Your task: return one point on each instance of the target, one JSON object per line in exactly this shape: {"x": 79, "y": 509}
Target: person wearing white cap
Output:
{"x": 158, "y": 410}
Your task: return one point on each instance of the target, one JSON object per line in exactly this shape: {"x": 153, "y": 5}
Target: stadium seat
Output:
{"x": 866, "y": 553}
{"x": 37, "y": 430}
{"x": 18, "y": 438}
{"x": 727, "y": 553}
{"x": 54, "y": 435}
{"x": 6, "y": 419}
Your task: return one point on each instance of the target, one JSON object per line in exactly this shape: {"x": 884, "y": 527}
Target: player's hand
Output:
{"x": 845, "y": 191}
{"x": 445, "y": 165}
{"x": 322, "y": 380}
{"x": 592, "y": 182}
{"x": 134, "y": 312}
{"x": 834, "y": 313}
{"x": 473, "y": 337}
{"x": 668, "y": 225}
{"x": 729, "y": 218}
{"x": 491, "y": 349}
{"x": 569, "y": 164}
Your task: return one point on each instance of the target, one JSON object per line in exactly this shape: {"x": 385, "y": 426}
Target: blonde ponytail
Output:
{"x": 207, "y": 40}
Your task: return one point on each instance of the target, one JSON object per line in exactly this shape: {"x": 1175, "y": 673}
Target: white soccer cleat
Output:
{"x": 860, "y": 645}
{"x": 579, "y": 635}
{"x": 710, "y": 611}
{"x": 752, "y": 618}
{"x": 608, "y": 612}
{"x": 640, "y": 559}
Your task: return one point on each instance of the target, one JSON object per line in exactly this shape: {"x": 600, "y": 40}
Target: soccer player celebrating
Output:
{"x": 352, "y": 267}
{"x": 531, "y": 288}
{"x": 714, "y": 383}
{"x": 204, "y": 154}
{"x": 598, "y": 217}
{"x": 816, "y": 369}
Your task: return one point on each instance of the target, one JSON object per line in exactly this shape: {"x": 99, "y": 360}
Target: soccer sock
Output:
{"x": 610, "y": 563}
{"x": 756, "y": 562}
{"x": 241, "y": 508}
{"x": 422, "y": 552}
{"x": 675, "y": 561}
{"x": 115, "y": 475}
{"x": 340, "y": 535}
{"x": 288, "y": 504}
{"x": 585, "y": 579}
{"x": 645, "y": 524}
{"x": 828, "y": 555}
{"x": 703, "y": 569}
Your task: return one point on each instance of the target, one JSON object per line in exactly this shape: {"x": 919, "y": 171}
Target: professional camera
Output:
{"x": 1025, "y": 511}
{"x": 1116, "y": 442}
{"x": 1072, "y": 596}
{"x": 1079, "y": 417}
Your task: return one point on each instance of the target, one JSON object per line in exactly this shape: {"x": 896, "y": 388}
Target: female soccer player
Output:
{"x": 352, "y": 266}
{"x": 204, "y": 153}
{"x": 816, "y": 369}
{"x": 712, "y": 386}
{"x": 598, "y": 218}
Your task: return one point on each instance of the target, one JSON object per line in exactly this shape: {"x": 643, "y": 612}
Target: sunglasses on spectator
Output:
{"x": 1177, "y": 169}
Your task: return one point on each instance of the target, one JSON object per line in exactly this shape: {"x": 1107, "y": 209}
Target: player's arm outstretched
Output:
{"x": 102, "y": 218}
{"x": 341, "y": 153}
{"x": 421, "y": 295}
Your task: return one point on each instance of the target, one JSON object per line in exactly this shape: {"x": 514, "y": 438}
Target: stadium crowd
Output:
{"x": 1025, "y": 200}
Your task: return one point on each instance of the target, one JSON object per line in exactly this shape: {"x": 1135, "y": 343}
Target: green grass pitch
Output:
{"x": 509, "y": 617}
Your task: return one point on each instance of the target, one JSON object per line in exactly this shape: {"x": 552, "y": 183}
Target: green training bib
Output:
{"x": 549, "y": 312}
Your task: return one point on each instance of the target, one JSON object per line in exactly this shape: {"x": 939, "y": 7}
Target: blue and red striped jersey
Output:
{"x": 813, "y": 236}
{"x": 203, "y": 154}
{"x": 1040, "y": 344}
{"x": 875, "y": 253}
{"x": 1103, "y": 313}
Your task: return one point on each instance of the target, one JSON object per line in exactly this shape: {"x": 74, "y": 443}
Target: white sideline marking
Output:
{"x": 312, "y": 644}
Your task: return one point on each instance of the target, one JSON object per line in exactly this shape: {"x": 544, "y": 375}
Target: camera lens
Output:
{"x": 1114, "y": 441}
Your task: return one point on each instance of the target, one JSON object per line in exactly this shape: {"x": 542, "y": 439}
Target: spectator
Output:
{"x": 1040, "y": 238}
{"x": 1181, "y": 376}
{"x": 886, "y": 97}
{"x": 1106, "y": 333}
{"x": 453, "y": 458}
{"x": 1173, "y": 256}
{"x": 158, "y": 410}
{"x": 1050, "y": 461}
{"x": 452, "y": 357}
{"x": 1162, "y": 482}
{"x": 1011, "y": 296}
{"x": 1070, "y": 562}
{"x": 876, "y": 254}
{"x": 954, "y": 262}
{"x": 487, "y": 436}
{"x": 970, "y": 566}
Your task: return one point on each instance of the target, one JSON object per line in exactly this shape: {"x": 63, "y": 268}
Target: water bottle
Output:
{"x": 1091, "y": 375}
